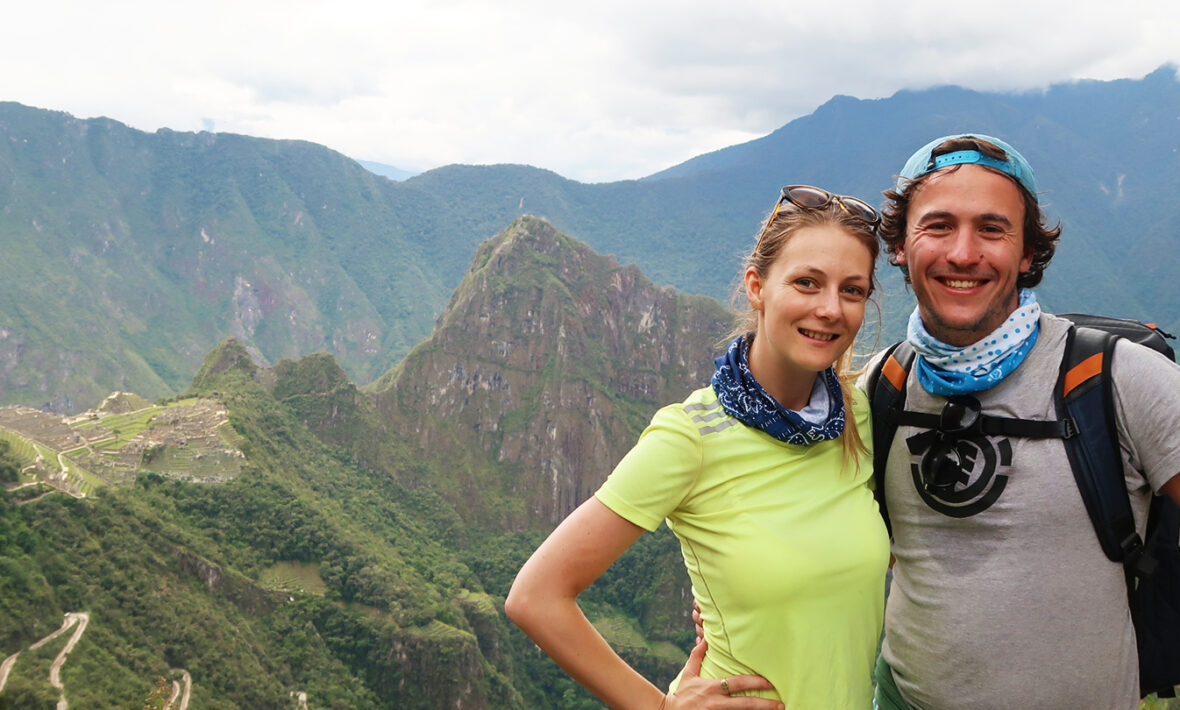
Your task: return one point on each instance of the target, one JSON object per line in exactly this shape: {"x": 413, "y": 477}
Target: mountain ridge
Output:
{"x": 129, "y": 255}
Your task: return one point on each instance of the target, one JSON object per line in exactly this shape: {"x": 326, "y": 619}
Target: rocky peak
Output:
{"x": 229, "y": 356}
{"x": 548, "y": 361}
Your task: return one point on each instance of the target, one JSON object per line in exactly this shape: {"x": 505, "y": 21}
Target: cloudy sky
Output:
{"x": 596, "y": 91}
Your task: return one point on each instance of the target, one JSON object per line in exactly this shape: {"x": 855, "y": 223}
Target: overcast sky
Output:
{"x": 598, "y": 90}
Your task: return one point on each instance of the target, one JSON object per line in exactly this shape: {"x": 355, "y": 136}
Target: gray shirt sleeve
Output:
{"x": 1147, "y": 400}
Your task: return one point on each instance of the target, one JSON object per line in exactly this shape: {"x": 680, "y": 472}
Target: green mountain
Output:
{"x": 129, "y": 255}
{"x": 276, "y": 530}
{"x": 546, "y": 375}
{"x": 300, "y": 573}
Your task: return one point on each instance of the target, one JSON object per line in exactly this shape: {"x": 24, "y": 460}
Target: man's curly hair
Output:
{"x": 1039, "y": 238}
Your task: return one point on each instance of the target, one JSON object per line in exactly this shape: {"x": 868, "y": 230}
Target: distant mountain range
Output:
{"x": 128, "y": 255}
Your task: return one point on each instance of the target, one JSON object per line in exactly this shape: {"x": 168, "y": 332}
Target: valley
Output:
{"x": 290, "y": 539}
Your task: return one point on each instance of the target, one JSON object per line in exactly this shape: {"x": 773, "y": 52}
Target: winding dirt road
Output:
{"x": 82, "y": 619}
{"x": 182, "y": 694}
{"x": 5, "y": 667}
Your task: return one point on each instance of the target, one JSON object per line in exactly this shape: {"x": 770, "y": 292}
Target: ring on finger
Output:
{"x": 725, "y": 685}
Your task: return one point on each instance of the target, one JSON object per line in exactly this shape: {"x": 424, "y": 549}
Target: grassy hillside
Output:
{"x": 177, "y": 574}
{"x": 305, "y": 571}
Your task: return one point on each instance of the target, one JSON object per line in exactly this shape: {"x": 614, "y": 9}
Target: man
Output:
{"x": 1001, "y": 594}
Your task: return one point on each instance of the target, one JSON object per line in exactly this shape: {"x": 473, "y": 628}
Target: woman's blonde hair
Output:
{"x": 777, "y": 229}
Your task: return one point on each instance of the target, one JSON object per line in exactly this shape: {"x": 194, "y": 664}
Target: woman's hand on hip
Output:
{"x": 695, "y": 692}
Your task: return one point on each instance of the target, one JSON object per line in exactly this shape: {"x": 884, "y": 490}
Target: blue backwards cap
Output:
{"x": 921, "y": 163}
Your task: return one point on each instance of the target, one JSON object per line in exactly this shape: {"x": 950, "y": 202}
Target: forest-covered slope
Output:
{"x": 358, "y": 547}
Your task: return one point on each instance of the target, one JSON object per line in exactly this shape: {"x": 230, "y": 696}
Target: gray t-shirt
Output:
{"x": 1001, "y": 595}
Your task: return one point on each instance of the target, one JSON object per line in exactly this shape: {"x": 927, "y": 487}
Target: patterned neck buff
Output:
{"x": 947, "y": 369}
{"x": 745, "y": 400}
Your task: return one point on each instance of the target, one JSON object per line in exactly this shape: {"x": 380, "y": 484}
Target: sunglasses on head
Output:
{"x": 814, "y": 198}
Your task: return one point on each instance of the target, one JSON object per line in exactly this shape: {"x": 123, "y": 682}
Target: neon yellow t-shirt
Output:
{"x": 786, "y": 551}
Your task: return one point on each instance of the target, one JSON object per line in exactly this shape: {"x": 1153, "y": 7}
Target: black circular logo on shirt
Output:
{"x": 978, "y": 484}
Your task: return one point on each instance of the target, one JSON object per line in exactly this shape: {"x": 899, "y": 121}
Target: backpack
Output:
{"x": 1084, "y": 403}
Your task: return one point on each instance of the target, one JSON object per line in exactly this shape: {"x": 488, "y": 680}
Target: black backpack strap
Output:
{"x": 1084, "y": 395}
{"x": 991, "y": 425}
{"x": 886, "y": 388}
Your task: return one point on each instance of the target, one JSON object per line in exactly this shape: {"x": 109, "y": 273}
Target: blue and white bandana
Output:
{"x": 947, "y": 369}
{"x": 745, "y": 400}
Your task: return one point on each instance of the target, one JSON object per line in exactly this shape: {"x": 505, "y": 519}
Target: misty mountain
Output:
{"x": 129, "y": 255}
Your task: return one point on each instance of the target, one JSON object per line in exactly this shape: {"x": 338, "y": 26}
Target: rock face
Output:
{"x": 549, "y": 359}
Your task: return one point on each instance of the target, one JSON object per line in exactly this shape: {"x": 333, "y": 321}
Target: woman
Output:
{"x": 763, "y": 479}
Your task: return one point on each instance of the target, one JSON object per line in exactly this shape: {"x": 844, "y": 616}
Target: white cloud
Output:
{"x": 595, "y": 91}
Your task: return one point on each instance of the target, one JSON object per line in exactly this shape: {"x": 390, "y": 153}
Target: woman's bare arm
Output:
{"x": 543, "y": 603}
